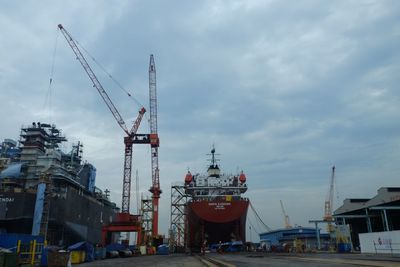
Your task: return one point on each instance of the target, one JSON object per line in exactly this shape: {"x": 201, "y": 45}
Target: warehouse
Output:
{"x": 282, "y": 238}
{"x": 378, "y": 214}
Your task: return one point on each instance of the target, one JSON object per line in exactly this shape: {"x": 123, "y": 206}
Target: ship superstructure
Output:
{"x": 71, "y": 209}
{"x": 215, "y": 185}
{"x": 216, "y": 211}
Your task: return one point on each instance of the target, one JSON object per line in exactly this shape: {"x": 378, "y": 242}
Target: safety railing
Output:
{"x": 30, "y": 253}
{"x": 387, "y": 247}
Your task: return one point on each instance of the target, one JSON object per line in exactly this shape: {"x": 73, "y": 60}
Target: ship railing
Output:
{"x": 62, "y": 175}
{"x": 197, "y": 187}
{"x": 219, "y": 197}
{"x": 177, "y": 184}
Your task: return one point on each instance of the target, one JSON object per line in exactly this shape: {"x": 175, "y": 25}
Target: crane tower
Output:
{"x": 329, "y": 200}
{"x": 155, "y": 187}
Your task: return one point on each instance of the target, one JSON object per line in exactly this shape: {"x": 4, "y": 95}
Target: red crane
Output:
{"x": 129, "y": 140}
{"x": 155, "y": 188}
{"x": 154, "y": 142}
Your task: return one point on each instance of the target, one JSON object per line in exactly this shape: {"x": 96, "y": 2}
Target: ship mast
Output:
{"x": 213, "y": 170}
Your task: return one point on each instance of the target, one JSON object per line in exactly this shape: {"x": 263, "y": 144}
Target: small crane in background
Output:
{"x": 329, "y": 203}
{"x": 286, "y": 217}
{"x": 329, "y": 199}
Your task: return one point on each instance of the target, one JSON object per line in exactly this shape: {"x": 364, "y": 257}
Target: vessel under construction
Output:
{"x": 216, "y": 211}
{"x": 45, "y": 191}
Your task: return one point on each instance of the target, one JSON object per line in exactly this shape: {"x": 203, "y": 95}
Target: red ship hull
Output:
{"x": 216, "y": 221}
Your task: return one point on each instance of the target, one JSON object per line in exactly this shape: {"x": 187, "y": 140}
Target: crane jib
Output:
{"x": 95, "y": 81}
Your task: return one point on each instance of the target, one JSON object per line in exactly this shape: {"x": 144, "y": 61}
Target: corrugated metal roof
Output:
{"x": 351, "y": 204}
{"x": 385, "y": 195}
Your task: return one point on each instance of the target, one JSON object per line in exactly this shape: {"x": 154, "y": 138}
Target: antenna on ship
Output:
{"x": 213, "y": 169}
{"x": 213, "y": 155}
{"x": 213, "y": 159}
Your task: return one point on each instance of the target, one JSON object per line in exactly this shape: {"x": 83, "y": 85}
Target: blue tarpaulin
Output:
{"x": 163, "y": 250}
{"x": 92, "y": 179}
{"x": 85, "y": 246}
{"x": 37, "y": 216}
{"x": 12, "y": 171}
{"x": 115, "y": 247}
{"x": 10, "y": 241}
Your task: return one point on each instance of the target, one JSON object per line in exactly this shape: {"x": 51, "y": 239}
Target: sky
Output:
{"x": 283, "y": 89}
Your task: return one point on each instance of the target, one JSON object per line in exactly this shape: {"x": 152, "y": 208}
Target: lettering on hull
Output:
{"x": 6, "y": 199}
{"x": 219, "y": 206}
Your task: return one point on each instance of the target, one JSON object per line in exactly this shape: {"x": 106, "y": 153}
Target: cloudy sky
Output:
{"x": 284, "y": 89}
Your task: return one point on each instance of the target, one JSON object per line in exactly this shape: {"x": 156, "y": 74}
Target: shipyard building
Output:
{"x": 380, "y": 214}
{"x": 281, "y": 240}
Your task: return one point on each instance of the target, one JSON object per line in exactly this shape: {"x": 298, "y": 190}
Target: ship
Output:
{"x": 47, "y": 191}
{"x": 216, "y": 210}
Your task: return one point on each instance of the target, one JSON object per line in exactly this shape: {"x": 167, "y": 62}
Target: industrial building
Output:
{"x": 378, "y": 214}
{"x": 281, "y": 238}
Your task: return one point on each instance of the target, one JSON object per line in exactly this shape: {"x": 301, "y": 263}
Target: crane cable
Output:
{"x": 337, "y": 191}
{"x": 114, "y": 80}
{"x": 108, "y": 74}
{"x": 258, "y": 217}
{"x": 252, "y": 226}
{"x": 50, "y": 87}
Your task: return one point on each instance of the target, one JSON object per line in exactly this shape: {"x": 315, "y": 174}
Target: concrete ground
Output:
{"x": 315, "y": 259}
{"x": 251, "y": 259}
{"x": 180, "y": 260}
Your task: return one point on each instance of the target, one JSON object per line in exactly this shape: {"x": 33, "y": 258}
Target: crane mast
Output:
{"x": 155, "y": 188}
{"x": 129, "y": 139}
{"x": 329, "y": 200}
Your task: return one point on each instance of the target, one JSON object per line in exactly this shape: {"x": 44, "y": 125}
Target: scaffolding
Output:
{"x": 178, "y": 227}
{"x": 147, "y": 215}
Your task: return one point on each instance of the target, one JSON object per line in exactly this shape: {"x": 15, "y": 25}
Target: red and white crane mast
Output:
{"x": 155, "y": 188}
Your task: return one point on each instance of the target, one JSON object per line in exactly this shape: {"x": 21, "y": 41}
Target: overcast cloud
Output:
{"x": 284, "y": 89}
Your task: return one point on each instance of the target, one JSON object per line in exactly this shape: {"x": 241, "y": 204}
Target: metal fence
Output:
{"x": 387, "y": 247}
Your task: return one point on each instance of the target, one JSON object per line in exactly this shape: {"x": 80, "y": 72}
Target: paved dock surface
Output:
{"x": 316, "y": 259}
{"x": 251, "y": 259}
{"x": 179, "y": 260}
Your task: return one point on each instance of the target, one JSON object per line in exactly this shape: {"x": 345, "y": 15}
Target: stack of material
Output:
{"x": 58, "y": 259}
